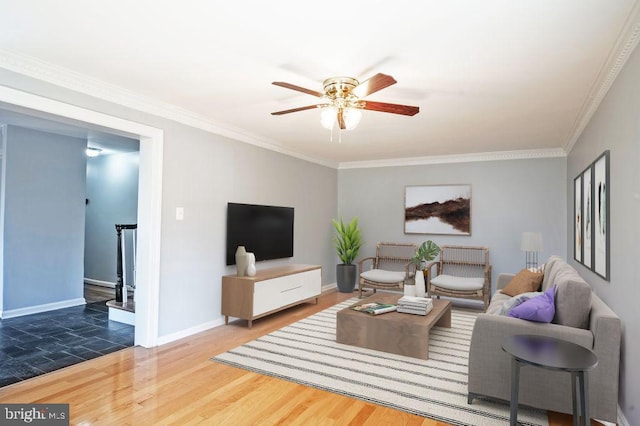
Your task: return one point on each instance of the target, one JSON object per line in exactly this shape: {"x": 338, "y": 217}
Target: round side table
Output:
{"x": 552, "y": 354}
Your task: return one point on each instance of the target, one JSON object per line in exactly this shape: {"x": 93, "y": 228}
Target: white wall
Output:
{"x": 202, "y": 173}
{"x": 507, "y": 198}
{"x": 44, "y": 195}
{"x": 112, "y": 191}
{"x": 616, "y": 126}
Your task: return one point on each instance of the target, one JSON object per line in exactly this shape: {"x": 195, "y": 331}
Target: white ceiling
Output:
{"x": 489, "y": 76}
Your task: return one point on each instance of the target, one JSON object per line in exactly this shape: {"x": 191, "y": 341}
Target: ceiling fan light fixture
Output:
{"x": 352, "y": 117}
{"x": 328, "y": 117}
{"x": 342, "y": 101}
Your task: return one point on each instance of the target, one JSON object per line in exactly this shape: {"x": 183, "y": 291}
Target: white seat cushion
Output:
{"x": 458, "y": 283}
{"x": 382, "y": 276}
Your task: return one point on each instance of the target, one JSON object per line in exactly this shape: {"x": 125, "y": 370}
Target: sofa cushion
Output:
{"x": 573, "y": 299}
{"x": 497, "y": 301}
{"x": 382, "y": 276}
{"x": 457, "y": 283}
{"x": 551, "y": 268}
{"x": 539, "y": 309}
{"x": 524, "y": 281}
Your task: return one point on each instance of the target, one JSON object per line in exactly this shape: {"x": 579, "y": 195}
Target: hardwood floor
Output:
{"x": 96, "y": 293}
{"x": 178, "y": 384}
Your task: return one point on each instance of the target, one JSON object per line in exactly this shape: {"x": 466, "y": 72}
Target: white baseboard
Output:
{"x": 100, "y": 283}
{"x": 162, "y": 340}
{"x": 12, "y": 313}
{"x": 120, "y": 315}
{"x": 622, "y": 420}
{"x": 328, "y": 287}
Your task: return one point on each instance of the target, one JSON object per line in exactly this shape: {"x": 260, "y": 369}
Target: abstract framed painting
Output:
{"x": 437, "y": 209}
{"x": 577, "y": 218}
{"x": 601, "y": 216}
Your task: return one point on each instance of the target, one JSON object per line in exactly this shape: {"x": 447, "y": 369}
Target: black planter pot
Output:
{"x": 346, "y": 277}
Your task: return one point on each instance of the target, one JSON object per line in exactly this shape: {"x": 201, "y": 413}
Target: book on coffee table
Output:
{"x": 375, "y": 308}
{"x": 414, "y": 311}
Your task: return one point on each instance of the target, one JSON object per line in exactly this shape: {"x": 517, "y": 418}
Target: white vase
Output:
{"x": 241, "y": 261}
{"x": 410, "y": 290}
{"x": 421, "y": 290}
{"x": 251, "y": 265}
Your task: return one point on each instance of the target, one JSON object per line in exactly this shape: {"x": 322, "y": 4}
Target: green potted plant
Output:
{"x": 347, "y": 243}
{"x": 427, "y": 251}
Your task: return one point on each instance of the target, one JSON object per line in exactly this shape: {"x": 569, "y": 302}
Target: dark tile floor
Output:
{"x": 36, "y": 344}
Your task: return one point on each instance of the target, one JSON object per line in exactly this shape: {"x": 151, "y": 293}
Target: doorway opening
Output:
{"x": 147, "y": 274}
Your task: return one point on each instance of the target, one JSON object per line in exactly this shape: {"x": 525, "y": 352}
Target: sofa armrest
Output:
{"x": 488, "y": 363}
{"x": 607, "y": 331}
{"x": 503, "y": 280}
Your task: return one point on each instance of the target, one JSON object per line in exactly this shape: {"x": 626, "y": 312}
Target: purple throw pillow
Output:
{"x": 540, "y": 308}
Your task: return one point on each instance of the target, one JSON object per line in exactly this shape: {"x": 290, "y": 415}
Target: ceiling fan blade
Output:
{"x": 374, "y": 84}
{"x": 298, "y": 88}
{"x": 392, "y": 108}
{"x": 287, "y": 111}
{"x": 341, "y": 121}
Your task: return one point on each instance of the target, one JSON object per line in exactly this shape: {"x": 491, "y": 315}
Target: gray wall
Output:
{"x": 112, "y": 191}
{"x": 202, "y": 172}
{"x": 616, "y": 126}
{"x": 507, "y": 198}
{"x": 44, "y": 218}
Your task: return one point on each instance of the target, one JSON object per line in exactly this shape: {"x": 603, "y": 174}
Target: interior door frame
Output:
{"x": 149, "y": 201}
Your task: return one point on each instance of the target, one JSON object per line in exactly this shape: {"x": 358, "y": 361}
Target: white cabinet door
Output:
{"x": 277, "y": 292}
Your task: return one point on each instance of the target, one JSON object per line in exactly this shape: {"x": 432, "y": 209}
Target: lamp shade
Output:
{"x": 531, "y": 241}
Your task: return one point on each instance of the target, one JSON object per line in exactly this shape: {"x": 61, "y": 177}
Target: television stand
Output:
{"x": 269, "y": 291}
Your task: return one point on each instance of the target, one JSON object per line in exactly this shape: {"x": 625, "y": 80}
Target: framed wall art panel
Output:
{"x": 577, "y": 219}
{"x": 587, "y": 214}
{"x": 601, "y": 216}
{"x": 591, "y": 192}
{"x": 437, "y": 209}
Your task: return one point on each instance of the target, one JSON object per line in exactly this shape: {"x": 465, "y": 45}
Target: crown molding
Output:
{"x": 458, "y": 158}
{"x": 69, "y": 79}
{"x": 622, "y": 49}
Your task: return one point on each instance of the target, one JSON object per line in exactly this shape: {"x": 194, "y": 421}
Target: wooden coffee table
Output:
{"x": 394, "y": 332}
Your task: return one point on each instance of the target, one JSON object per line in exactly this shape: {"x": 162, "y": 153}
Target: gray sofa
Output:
{"x": 581, "y": 317}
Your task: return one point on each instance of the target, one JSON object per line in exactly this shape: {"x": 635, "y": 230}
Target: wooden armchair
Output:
{"x": 461, "y": 271}
{"x": 391, "y": 267}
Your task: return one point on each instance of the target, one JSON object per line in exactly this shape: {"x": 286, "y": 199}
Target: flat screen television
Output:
{"x": 266, "y": 231}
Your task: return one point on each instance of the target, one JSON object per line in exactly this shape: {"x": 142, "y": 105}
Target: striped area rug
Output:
{"x": 305, "y": 352}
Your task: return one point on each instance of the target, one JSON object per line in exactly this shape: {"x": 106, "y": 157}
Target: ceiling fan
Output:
{"x": 342, "y": 100}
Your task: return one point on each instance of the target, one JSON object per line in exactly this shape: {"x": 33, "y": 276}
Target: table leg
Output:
{"x": 515, "y": 385}
{"x": 574, "y": 399}
{"x": 584, "y": 397}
